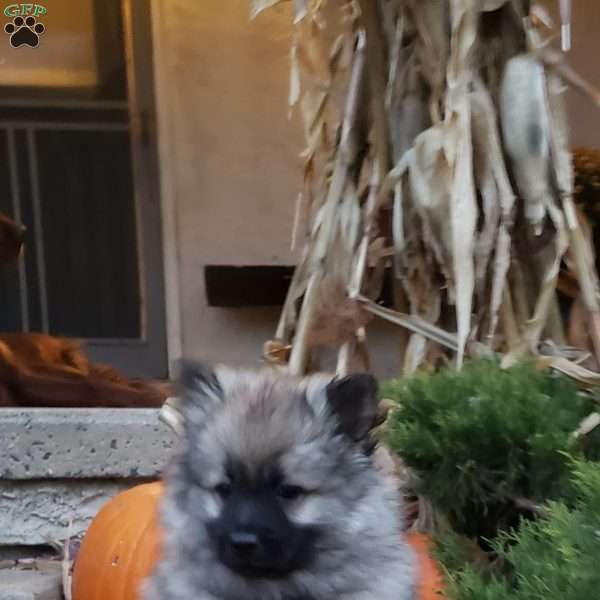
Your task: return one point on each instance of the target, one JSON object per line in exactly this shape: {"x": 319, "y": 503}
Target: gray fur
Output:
{"x": 254, "y": 416}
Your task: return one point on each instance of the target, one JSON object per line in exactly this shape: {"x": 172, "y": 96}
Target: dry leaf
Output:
{"x": 300, "y": 10}
{"x": 312, "y": 54}
{"x": 583, "y": 376}
{"x": 430, "y": 184}
{"x": 337, "y": 316}
{"x": 587, "y": 425}
{"x": 412, "y": 323}
{"x": 525, "y": 127}
{"x": 448, "y": 205}
{"x": 489, "y": 5}
{"x": 295, "y": 85}
{"x": 498, "y": 198}
{"x": 257, "y": 6}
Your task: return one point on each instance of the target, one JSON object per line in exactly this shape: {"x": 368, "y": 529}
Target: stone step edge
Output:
{"x": 83, "y": 443}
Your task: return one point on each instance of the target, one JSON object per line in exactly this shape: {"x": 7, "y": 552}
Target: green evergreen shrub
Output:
{"x": 484, "y": 438}
{"x": 552, "y": 558}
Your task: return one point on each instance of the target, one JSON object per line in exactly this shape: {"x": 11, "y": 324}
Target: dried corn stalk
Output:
{"x": 437, "y": 149}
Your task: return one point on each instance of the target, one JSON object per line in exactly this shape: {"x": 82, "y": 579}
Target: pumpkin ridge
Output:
{"x": 137, "y": 573}
{"x": 125, "y": 527}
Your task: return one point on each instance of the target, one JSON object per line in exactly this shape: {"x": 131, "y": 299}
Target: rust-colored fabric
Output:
{"x": 11, "y": 239}
{"x": 38, "y": 370}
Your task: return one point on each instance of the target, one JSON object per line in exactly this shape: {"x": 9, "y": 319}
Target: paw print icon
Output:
{"x": 24, "y": 32}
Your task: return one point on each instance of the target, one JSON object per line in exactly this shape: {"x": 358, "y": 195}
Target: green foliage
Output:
{"x": 485, "y": 437}
{"x": 554, "y": 557}
{"x": 457, "y": 552}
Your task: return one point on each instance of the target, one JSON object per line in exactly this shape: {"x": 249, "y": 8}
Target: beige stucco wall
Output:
{"x": 230, "y": 161}
{"x": 584, "y": 55}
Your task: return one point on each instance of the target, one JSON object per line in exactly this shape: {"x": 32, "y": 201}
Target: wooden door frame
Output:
{"x": 151, "y": 212}
{"x": 168, "y": 194}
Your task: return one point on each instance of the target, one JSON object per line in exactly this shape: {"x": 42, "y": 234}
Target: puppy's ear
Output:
{"x": 353, "y": 400}
{"x": 199, "y": 391}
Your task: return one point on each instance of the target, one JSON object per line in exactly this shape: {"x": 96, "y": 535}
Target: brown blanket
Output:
{"x": 38, "y": 370}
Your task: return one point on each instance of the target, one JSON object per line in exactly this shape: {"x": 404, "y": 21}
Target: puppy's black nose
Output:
{"x": 244, "y": 543}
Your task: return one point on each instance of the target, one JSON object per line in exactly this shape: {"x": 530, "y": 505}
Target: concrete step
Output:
{"x": 82, "y": 443}
{"x": 44, "y": 583}
{"x": 59, "y": 466}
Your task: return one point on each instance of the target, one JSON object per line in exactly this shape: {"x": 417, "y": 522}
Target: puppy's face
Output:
{"x": 274, "y": 466}
{"x": 254, "y": 533}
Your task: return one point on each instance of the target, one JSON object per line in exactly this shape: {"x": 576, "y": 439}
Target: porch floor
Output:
{"x": 41, "y": 583}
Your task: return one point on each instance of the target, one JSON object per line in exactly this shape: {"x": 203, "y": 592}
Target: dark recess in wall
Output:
{"x": 237, "y": 287}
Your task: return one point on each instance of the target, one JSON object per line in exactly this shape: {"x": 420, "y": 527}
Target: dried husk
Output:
{"x": 437, "y": 148}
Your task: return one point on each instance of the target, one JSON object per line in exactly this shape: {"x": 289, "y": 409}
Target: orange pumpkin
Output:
{"x": 430, "y": 578}
{"x": 122, "y": 545}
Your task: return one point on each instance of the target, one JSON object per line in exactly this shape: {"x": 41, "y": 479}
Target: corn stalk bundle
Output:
{"x": 437, "y": 148}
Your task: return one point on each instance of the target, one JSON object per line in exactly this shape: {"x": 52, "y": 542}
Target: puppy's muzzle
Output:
{"x": 244, "y": 544}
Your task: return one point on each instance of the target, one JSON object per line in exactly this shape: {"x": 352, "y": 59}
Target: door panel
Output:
{"x": 10, "y": 300}
{"x": 81, "y": 170}
{"x": 89, "y": 233}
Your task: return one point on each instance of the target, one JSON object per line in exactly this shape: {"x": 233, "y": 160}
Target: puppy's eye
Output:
{"x": 223, "y": 490}
{"x": 290, "y": 492}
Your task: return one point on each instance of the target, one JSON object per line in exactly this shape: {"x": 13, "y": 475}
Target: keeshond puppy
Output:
{"x": 272, "y": 494}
